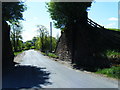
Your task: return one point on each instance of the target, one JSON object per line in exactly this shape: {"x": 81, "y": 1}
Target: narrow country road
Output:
{"x": 38, "y": 71}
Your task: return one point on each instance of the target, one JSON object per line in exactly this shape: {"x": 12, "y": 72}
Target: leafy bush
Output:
{"x": 111, "y": 72}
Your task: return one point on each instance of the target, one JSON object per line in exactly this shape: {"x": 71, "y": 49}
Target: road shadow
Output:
{"x": 25, "y": 77}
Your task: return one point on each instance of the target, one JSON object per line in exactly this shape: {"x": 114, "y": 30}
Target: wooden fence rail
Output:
{"x": 94, "y": 24}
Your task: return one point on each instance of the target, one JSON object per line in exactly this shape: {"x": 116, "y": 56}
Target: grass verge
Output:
{"x": 114, "y": 29}
{"x": 44, "y": 53}
{"x": 52, "y": 55}
{"x": 110, "y": 72}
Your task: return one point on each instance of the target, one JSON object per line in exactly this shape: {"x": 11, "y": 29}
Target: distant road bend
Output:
{"x": 38, "y": 71}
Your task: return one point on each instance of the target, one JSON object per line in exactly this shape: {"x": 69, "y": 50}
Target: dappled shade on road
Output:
{"x": 26, "y": 77}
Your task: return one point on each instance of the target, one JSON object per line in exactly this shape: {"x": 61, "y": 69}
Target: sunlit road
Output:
{"x": 51, "y": 74}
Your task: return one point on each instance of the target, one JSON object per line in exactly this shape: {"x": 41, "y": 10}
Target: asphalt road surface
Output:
{"x": 38, "y": 71}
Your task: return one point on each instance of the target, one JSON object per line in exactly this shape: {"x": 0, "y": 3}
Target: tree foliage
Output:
{"x": 28, "y": 45}
{"x": 16, "y": 37}
{"x": 34, "y": 40}
{"x": 64, "y": 13}
{"x": 43, "y": 42}
{"x": 43, "y": 33}
{"x": 38, "y": 44}
{"x": 12, "y": 11}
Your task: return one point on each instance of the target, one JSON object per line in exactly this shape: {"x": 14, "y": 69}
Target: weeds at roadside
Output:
{"x": 111, "y": 72}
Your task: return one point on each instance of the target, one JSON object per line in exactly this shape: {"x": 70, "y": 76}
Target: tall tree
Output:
{"x": 71, "y": 18}
{"x": 65, "y": 13}
{"x": 38, "y": 43}
{"x": 34, "y": 40}
{"x": 28, "y": 44}
{"x": 16, "y": 36}
{"x": 12, "y": 12}
{"x": 68, "y": 16}
{"x": 43, "y": 33}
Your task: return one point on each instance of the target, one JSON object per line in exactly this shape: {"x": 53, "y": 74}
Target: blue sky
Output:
{"x": 103, "y": 13}
{"x": 36, "y": 14}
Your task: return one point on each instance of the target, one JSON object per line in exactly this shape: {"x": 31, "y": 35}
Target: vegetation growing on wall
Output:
{"x": 85, "y": 43}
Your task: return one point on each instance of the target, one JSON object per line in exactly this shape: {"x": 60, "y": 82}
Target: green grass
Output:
{"x": 114, "y": 29}
{"x": 110, "y": 72}
{"x": 16, "y": 53}
{"x": 43, "y": 53}
{"x": 52, "y": 55}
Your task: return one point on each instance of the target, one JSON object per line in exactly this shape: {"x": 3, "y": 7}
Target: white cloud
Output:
{"x": 28, "y": 34}
{"x": 113, "y": 19}
{"x": 111, "y": 25}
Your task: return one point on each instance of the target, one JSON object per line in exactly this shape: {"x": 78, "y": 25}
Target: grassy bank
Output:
{"x": 114, "y": 29}
{"x": 110, "y": 72}
{"x": 114, "y": 71}
{"x": 50, "y": 55}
